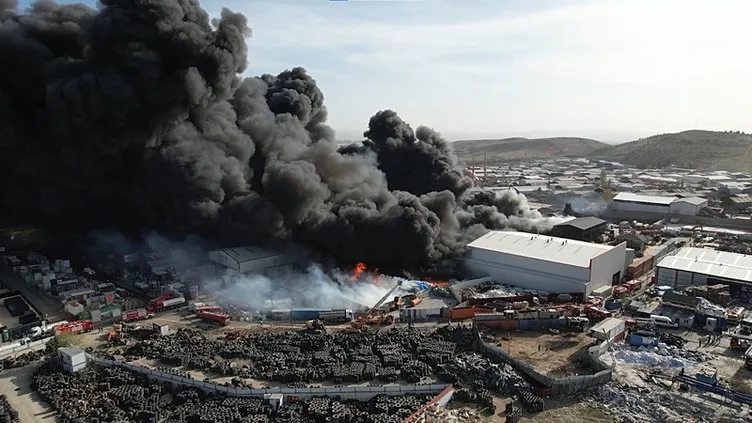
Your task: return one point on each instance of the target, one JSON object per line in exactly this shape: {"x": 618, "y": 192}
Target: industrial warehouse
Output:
{"x": 639, "y": 203}
{"x": 546, "y": 263}
{"x": 700, "y": 266}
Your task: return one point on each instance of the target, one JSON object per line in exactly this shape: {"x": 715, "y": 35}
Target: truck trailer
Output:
{"x": 221, "y": 319}
{"x": 305, "y": 314}
{"x": 137, "y": 314}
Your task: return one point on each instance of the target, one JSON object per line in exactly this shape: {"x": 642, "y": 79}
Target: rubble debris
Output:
{"x": 436, "y": 414}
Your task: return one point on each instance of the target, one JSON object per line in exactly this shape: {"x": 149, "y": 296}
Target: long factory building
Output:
{"x": 638, "y": 203}
{"x": 546, "y": 263}
{"x": 692, "y": 266}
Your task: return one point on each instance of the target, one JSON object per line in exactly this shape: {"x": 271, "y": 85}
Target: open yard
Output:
{"x": 551, "y": 354}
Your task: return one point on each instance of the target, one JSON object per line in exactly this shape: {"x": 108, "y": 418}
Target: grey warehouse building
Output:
{"x": 252, "y": 259}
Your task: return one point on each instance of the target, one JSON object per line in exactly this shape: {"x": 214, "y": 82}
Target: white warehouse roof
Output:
{"x": 720, "y": 264}
{"x": 639, "y": 198}
{"x": 691, "y": 200}
{"x": 540, "y": 247}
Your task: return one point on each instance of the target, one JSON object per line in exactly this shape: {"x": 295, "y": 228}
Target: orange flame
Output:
{"x": 442, "y": 284}
{"x": 358, "y": 270}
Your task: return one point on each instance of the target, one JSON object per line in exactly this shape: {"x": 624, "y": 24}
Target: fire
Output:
{"x": 358, "y": 270}
{"x": 442, "y": 284}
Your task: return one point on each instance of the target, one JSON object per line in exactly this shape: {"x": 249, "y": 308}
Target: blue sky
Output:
{"x": 612, "y": 70}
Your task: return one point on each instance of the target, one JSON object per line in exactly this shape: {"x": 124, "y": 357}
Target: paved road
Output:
{"x": 42, "y": 300}
{"x": 16, "y": 385}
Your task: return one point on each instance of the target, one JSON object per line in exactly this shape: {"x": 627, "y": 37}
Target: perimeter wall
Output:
{"x": 555, "y": 387}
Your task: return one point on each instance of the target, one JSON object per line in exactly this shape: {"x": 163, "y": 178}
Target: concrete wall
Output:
{"x": 30, "y": 346}
{"x": 440, "y": 400}
{"x": 564, "y": 271}
{"x": 361, "y": 393}
{"x": 559, "y": 386}
{"x": 604, "y": 266}
{"x": 528, "y": 273}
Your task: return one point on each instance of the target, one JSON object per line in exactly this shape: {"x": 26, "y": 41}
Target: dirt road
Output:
{"x": 16, "y": 385}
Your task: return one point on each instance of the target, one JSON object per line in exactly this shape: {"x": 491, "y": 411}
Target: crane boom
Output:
{"x": 383, "y": 299}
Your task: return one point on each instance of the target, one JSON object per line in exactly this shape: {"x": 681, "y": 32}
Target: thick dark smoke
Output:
{"x": 134, "y": 116}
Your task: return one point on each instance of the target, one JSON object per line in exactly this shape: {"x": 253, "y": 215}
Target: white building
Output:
{"x": 688, "y": 206}
{"x": 545, "y": 263}
{"x": 692, "y": 266}
{"x": 637, "y": 203}
{"x": 251, "y": 259}
{"x": 629, "y": 202}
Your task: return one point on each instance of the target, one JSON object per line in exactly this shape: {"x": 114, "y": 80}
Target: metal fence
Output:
{"x": 343, "y": 391}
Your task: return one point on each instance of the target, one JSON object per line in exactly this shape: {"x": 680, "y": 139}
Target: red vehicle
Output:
{"x": 634, "y": 285}
{"x": 221, "y": 319}
{"x": 166, "y": 301}
{"x": 137, "y": 314}
{"x": 596, "y": 314}
{"x": 209, "y": 308}
{"x": 620, "y": 290}
{"x": 74, "y": 328}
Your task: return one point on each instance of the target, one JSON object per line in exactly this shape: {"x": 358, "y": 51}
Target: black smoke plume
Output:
{"x": 134, "y": 116}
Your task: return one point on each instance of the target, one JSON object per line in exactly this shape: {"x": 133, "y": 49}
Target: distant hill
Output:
{"x": 693, "y": 149}
{"x": 516, "y": 149}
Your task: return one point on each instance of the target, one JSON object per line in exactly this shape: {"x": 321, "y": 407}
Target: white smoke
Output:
{"x": 313, "y": 288}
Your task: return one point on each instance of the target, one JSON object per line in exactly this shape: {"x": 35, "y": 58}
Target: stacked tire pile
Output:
{"x": 7, "y": 413}
{"x": 530, "y": 401}
{"x": 482, "y": 373}
{"x": 113, "y": 394}
{"x": 22, "y": 360}
{"x": 295, "y": 357}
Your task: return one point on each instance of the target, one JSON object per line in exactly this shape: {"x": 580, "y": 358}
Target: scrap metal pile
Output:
{"x": 7, "y": 413}
{"x": 114, "y": 394}
{"x": 297, "y": 357}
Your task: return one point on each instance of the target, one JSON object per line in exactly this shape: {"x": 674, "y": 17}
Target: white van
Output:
{"x": 663, "y": 321}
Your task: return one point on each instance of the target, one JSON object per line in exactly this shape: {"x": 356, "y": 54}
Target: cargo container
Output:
{"x": 462, "y": 313}
{"x": 497, "y": 321}
{"x": 609, "y": 329}
{"x": 221, "y": 319}
{"x": 644, "y": 338}
{"x": 640, "y": 266}
{"x": 325, "y": 315}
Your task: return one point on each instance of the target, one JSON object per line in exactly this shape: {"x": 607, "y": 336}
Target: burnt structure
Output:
{"x": 581, "y": 228}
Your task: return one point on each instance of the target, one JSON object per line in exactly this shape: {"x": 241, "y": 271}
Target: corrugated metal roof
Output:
{"x": 583, "y": 223}
{"x": 720, "y": 264}
{"x": 540, "y": 247}
{"x": 639, "y": 198}
{"x": 248, "y": 253}
{"x": 691, "y": 200}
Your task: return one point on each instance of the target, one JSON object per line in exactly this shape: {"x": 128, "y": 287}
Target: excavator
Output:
{"x": 315, "y": 326}
{"x": 375, "y": 315}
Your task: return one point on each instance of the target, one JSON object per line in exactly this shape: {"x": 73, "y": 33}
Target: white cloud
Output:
{"x": 637, "y": 65}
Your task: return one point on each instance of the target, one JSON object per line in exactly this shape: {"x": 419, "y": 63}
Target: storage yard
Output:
{"x": 493, "y": 348}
